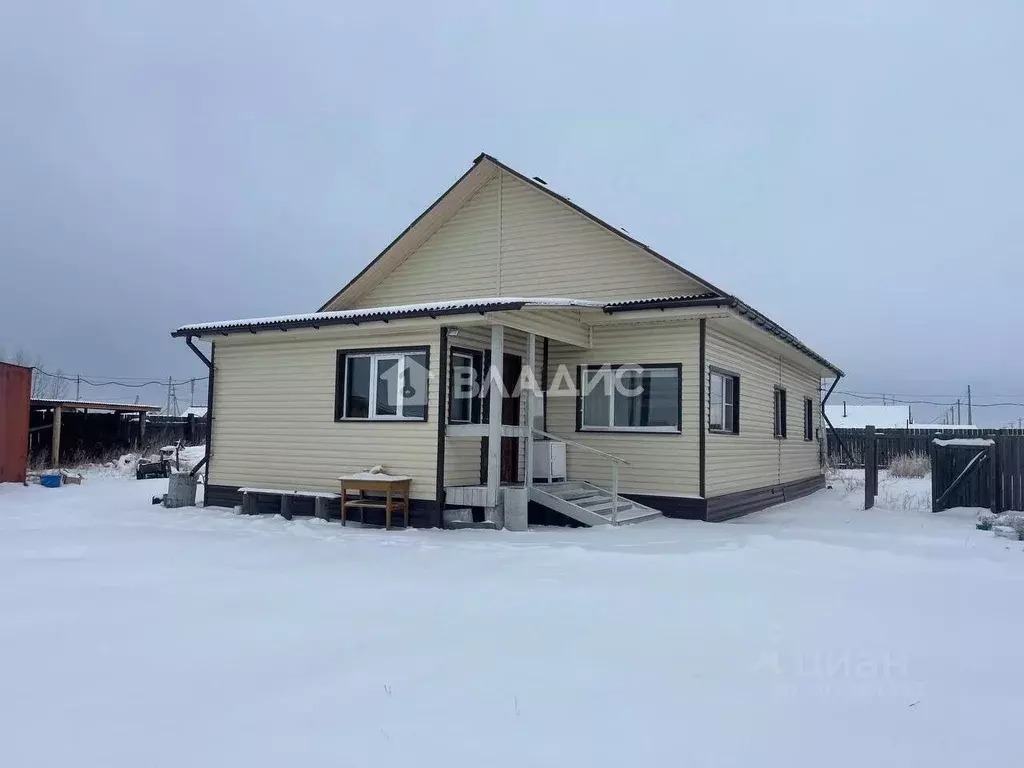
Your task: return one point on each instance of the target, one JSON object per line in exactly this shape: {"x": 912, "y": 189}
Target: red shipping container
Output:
{"x": 15, "y": 399}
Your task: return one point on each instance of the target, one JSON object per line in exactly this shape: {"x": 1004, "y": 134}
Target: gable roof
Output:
{"x": 470, "y": 182}
{"x": 482, "y": 170}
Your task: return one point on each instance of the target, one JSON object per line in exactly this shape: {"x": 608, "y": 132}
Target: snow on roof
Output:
{"x": 461, "y": 306}
{"x": 976, "y": 442}
{"x": 860, "y": 416}
{"x": 46, "y": 402}
{"x": 949, "y": 427}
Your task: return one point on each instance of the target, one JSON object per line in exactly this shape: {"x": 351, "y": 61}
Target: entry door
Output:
{"x": 513, "y": 367}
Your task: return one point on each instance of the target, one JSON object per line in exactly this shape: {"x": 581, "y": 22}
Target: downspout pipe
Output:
{"x": 824, "y": 415}
{"x": 205, "y": 461}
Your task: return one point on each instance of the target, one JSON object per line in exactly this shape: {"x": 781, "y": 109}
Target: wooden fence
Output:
{"x": 983, "y": 470}
{"x": 890, "y": 443}
{"x": 1009, "y": 481}
{"x": 91, "y": 436}
{"x": 964, "y": 475}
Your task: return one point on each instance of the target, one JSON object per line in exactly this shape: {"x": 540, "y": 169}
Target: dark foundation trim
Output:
{"x": 679, "y": 507}
{"x": 732, "y": 505}
{"x": 421, "y": 511}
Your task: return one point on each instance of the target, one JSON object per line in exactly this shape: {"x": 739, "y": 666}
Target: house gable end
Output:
{"x": 513, "y": 237}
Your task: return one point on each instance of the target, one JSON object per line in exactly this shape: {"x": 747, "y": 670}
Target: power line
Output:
{"x": 136, "y": 384}
{"x": 931, "y": 402}
{"x": 951, "y": 398}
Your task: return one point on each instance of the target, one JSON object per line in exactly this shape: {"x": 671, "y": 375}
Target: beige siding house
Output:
{"x": 518, "y": 358}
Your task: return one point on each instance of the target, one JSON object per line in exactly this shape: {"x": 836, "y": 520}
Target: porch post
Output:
{"x": 531, "y": 406}
{"x": 493, "y": 511}
{"x": 58, "y": 411}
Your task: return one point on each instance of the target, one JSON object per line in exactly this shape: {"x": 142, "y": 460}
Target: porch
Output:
{"x": 498, "y": 457}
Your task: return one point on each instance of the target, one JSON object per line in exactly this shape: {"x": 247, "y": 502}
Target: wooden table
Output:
{"x": 389, "y": 486}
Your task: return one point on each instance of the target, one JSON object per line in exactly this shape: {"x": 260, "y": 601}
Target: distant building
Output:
{"x": 860, "y": 416}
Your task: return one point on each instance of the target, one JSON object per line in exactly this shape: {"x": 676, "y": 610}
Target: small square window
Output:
{"x": 386, "y": 385}
{"x": 723, "y": 402}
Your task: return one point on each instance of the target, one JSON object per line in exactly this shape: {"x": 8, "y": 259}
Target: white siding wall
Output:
{"x": 661, "y": 464}
{"x": 755, "y": 458}
{"x": 800, "y": 458}
{"x": 546, "y": 249}
{"x": 274, "y": 413}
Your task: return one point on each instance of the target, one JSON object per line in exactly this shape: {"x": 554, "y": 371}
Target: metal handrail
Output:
{"x": 608, "y": 456}
{"x": 615, "y": 460}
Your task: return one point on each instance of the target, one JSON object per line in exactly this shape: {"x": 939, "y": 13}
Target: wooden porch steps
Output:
{"x": 590, "y": 504}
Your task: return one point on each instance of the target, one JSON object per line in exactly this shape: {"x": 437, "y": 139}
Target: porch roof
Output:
{"x": 382, "y": 314}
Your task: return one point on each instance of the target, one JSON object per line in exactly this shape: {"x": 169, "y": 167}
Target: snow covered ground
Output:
{"x": 812, "y": 634}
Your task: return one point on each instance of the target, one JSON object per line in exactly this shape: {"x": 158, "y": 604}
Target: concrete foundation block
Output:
{"x": 516, "y": 509}
{"x": 181, "y": 491}
{"x": 452, "y": 517}
{"x": 320, "y": 508}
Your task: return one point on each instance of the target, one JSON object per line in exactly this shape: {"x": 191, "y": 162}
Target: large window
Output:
{"x": 630, "y": 398}
{"x": 808, "y": 419}
{"x": 382, "y": 384}
{"x": 465, "y": 403}
{"x": 724, "y": 402}
{"x": 780, "y": 412}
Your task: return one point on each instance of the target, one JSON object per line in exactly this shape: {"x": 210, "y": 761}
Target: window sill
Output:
{"x": 780, "y": 437}
{"x": 712, "y": 431}
{"x": 383, "y": 420}
{"x": 628, "y": 431}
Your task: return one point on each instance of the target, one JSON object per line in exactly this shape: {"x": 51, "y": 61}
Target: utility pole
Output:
{"x": 958, "y": 422}
{"x": 970, "y": 419}
{"x": 167, "y": 411}
{"x": 192, "y": 393}
{"x": 78, "y": 387}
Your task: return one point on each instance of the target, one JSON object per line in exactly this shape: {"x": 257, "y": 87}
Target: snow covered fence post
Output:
{"x": 870, "y": 467}
{"x": 993, "y": 476}
{"x": 933, "y": 452}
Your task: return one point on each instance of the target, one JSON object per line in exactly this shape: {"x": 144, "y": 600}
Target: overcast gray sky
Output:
{"x": 854, "y": 172}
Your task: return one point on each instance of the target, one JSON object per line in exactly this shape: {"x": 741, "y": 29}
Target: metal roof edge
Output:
{"x": 743, "y": 309}
{"x": 383, "y": 316}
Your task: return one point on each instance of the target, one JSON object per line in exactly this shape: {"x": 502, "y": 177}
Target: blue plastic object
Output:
{"x": 50, "y": 481}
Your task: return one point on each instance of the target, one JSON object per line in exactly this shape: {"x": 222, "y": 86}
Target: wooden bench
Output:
{"x": 320, "y": 499}
{"x": 388, "y": 485}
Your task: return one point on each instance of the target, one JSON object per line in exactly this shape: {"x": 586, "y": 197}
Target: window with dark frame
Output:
{"x": 381, "y": 385}
{"x": 465, "y": 403}
{"x": 630, "y": 398}
{"x": 780, "y": 413}
{"x": 723, "y": 405}
{"x": 808, "y": 419}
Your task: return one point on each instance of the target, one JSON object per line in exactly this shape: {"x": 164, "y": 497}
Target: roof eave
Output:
{"x": 744, "y": 310}
{"x": 318, "y": 322}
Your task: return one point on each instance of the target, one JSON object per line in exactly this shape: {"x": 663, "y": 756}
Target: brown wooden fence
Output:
{"x": 890, "y": 443}
{"x": 981, "y": 470}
